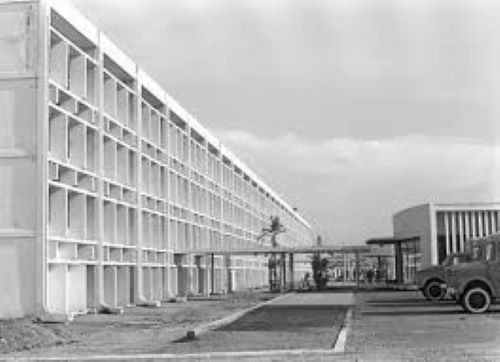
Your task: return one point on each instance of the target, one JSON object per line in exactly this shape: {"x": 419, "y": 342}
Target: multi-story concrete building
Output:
{"x": 444, "y": 228}
{"x": 103, "y": 176}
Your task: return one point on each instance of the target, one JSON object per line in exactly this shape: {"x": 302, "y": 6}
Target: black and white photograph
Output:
{"x": 250, "y": 180}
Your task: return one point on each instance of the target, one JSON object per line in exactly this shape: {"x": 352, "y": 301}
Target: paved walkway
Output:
{"x": 337, "y": 298}
{"x": 292, "y": 322}
{"x": 402, "y": 325}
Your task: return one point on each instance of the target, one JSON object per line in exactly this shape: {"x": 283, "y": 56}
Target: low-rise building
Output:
{"x": 425, "y": 234}
{"x": 445, "y": 228}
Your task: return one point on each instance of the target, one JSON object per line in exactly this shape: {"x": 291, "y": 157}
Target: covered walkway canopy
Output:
{"x": 391, "y": 240}
{"x": 279, "y": 250}
{"x": 282, "y": 251}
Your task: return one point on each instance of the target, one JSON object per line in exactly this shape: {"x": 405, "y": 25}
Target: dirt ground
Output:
{"x": 138, "y": 330}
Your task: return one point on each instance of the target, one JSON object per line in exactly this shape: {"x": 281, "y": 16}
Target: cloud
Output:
{"x": 377, "y": 75}
{"x": 350, "y": 188}
{"x": 396, "y": 155}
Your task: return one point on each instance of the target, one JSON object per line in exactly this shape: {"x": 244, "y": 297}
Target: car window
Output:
{"x": 489, "y": 252}
{"x": 461, "y": 259}
{"x": 447, "y": 261}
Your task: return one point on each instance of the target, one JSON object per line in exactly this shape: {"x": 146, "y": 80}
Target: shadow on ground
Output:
{"x": 342, "y": 289}
{"x": 412, "y": 312}
{"x": 409, "y": 304}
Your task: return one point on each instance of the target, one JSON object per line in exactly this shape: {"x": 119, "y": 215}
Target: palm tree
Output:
{"x": 275, "y": 228}
{"x": 319, "y": 267}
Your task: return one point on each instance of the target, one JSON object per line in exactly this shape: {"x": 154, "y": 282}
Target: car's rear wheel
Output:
{"x": 476, "y": 300}
{"x": 433, "y": 291}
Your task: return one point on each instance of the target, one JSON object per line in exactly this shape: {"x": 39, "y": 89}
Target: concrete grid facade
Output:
{"x": 446, "y": 228}
{"x": 103, "y": 176}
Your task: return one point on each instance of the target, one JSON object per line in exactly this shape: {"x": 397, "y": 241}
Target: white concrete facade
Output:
{"x": 445, "y": 228}
{"x": 103, "y": 176}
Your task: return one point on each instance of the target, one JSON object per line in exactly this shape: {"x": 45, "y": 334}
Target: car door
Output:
{"x": 492, "y": 256}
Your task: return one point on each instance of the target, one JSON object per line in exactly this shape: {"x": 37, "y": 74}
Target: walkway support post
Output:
{"x": 283, "y": 272}
{"x": 212, "y": 272}
{"x": 291, "y": 272}
{"x": 357, "y": 269}
{"x": 399, "y": 263}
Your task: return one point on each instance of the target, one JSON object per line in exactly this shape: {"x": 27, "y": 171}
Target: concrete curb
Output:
{"x": 340, "y": 343}
{"x": 387, "y": 288}
{"x": 406, "y": 287}
{"x": 265, "y": 355}
{"x": 199, "y": 356}
{"x": 193, "y": 333}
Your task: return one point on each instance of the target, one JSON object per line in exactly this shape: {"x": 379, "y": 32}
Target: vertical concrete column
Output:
{"x": 480, "y": 224}
{"x": 433, "y": 223}
{"x": 453, "y": 232}
{"x": 487, "y": 223}
{"x": 461, "y": 230}
{"x": 99, "y": 268}
{"x": 138, "y": 270}
{"x": 42, "y": 135}
{"x": 467, "y": 225}
{"x": 447, "y": 231}
{"x": 189, "y": 242}
{"x": 473, "y": 216}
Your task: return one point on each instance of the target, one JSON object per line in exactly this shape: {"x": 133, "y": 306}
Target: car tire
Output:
{"x": 433, "y": 291}
{"x": 476, "y": 300}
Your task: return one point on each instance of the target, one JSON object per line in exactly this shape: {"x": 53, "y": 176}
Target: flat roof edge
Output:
{"x": 79, "y": 21}
{"x": 390, "y": 240}
{"x": 117, "y": 55}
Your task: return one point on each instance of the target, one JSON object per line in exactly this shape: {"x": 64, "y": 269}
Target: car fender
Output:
{"x": 423, "y": 279}
{"x": 470, "y": 280}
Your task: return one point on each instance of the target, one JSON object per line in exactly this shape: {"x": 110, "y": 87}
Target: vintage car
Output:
{"x": 431, "y": 279}
{"x": 476, "y": 284}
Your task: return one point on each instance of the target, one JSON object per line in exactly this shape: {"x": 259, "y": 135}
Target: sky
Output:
{"x": 352, "y": 110}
